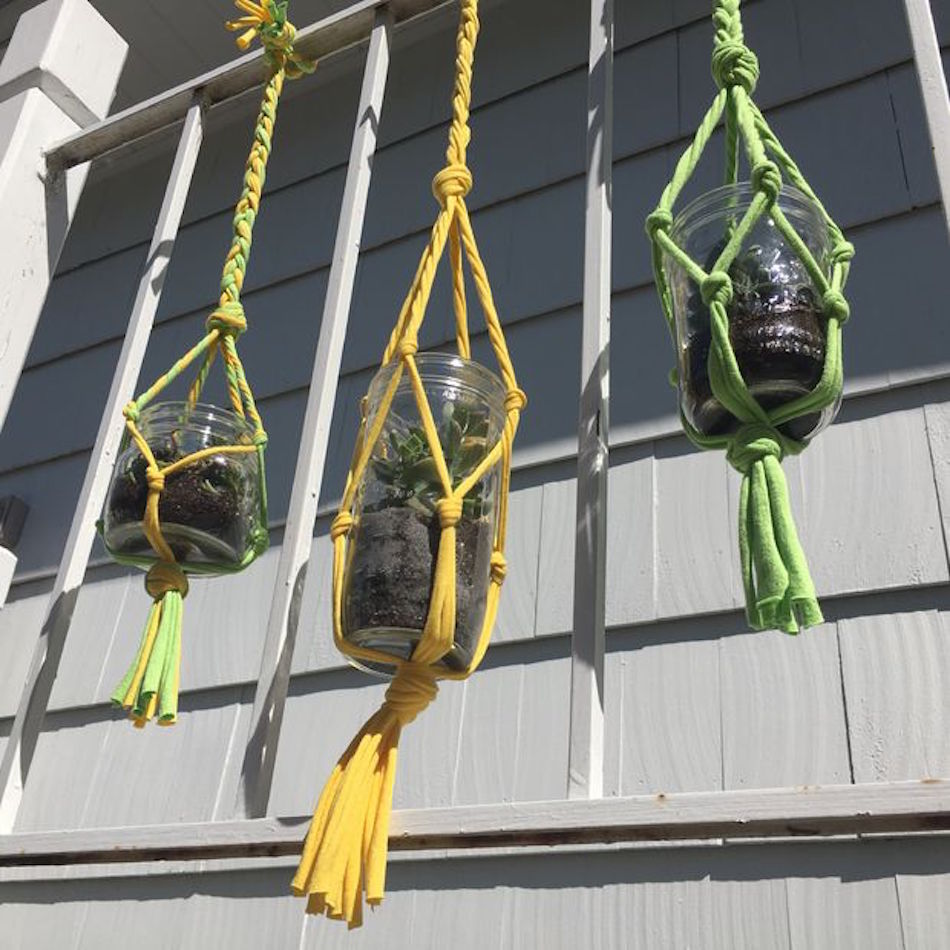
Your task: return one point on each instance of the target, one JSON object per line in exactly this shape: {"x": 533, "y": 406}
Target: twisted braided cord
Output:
{"x": 779, "y": 590}
{"x": 344, "y": 856}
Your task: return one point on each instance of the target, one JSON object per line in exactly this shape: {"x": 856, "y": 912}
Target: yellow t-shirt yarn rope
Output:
{"x": 344, "y": 855}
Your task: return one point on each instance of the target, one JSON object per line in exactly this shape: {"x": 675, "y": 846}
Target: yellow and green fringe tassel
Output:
{"x": 344, "y": 856}
{"x": 150, "y": 687}
{"x": 779, "y": 591}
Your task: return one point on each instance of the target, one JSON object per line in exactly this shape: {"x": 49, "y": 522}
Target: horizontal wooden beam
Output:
{"x": 320, "y": 40}
{"x": 810, "y": 811}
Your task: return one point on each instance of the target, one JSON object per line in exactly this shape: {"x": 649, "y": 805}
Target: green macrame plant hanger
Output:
{"x": 150, "y": 687}
{"x": 779, "y": 591}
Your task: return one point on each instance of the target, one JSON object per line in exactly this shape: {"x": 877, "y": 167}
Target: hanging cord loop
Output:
{"x": 150, "y": 686}
{"x": 778, "y": 587}
{"x": 344, "y": 856}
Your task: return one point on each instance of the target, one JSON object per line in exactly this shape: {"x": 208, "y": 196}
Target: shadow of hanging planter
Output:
{"x": 212, "y": 510}
{"x": 394, "y": 541}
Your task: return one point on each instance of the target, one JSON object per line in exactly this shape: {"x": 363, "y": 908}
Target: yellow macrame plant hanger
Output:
{"x": 150, "y": 687}
{"x": 344, "y": 855}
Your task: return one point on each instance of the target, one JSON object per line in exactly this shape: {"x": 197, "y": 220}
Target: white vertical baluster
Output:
{"x": 933, "y": 89}
{"x": 52, "y": 637}
{"x": 258, "y": 767}
{"x": 58, "y": 74}
{"x": 586, "y": 751}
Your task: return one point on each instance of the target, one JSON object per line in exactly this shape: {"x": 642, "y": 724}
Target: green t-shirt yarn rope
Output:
{"x": 779, "y": 590}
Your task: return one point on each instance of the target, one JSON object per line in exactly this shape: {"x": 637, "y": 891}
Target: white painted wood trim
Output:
{"x": 933, "y": 89}
{"x": 586, "y": 750}
{"x": 806, "y": 812}
{"x": 270, "y": 696}
{"x": 31, "y": 710}
{"x": 41, "y": 76}
{"x": 320, "y": 40}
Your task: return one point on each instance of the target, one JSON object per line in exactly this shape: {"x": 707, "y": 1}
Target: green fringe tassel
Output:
{"x": 779, "y": 591}
{"x": 150, "y": 687}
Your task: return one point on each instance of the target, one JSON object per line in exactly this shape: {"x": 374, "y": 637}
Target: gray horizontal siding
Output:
{"x": 876, "y": 894}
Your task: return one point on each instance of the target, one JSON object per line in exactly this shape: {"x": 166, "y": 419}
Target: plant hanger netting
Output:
{"x": 758, "y": 434}
{"x": 344, "y": 855}
{"x": 160, "y": 469}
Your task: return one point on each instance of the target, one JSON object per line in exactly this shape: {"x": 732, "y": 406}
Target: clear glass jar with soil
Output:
{"x": 211, "y": 510}
{"x": 776, "y": 324}
{"x": 394, "y": 540}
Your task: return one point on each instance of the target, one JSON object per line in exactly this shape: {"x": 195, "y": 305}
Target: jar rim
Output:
{"x": 202, "y": 413}
{"x": 716, "y": 204}
{"x": 435, "y": 366}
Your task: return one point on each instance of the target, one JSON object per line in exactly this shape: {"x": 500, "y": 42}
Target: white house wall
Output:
{"x": 694, "y": 701}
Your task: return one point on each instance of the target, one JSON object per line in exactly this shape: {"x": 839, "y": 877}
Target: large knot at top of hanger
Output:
{"x": 733, "y": 63}
{"x": 268, "y": 20}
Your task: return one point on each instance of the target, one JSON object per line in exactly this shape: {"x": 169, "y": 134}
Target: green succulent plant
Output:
{"x": 409, "y": 472}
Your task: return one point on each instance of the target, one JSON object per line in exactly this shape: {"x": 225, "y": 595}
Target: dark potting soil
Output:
{"x": 778, "y": 337}
{"x": 389, "y": 577}
{"x": 203, "y": 497}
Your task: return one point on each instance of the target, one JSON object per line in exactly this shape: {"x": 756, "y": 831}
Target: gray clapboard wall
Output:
{"x": 694, "y": 701}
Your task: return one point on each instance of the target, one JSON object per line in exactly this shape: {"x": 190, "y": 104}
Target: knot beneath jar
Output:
{"x": 164, "y": 577}
{"x": 752, "y": 443}
{"x": 412, "y": 689}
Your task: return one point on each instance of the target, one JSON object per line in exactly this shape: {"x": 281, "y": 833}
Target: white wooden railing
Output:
{"x": 51, "y": 117}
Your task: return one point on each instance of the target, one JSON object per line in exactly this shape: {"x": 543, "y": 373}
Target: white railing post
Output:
{"x": 59, "y": 74}
{"x": 586, "y": 748}
{"x": 933, "y": 90}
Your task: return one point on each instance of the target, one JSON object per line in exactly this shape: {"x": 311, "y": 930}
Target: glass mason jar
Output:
{"x": 394, "y": 541}
{"x": 776, "y": 324}
{"x": 211, "y": 511}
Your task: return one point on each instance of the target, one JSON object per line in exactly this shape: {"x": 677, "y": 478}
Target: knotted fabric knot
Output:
{"x": 163, "y": 577}
{"x": 131, "y": 412}
{"x": 767, "y": 178}
{"x": 341, "y": 525}
{"x": 841, "y": 253}
{"x": 835, "y": 305}
{"x": 659, "y": 220}
{"x": 449, "y": 511}
{"x": 499, "y": 567}
{"x": 407, "y": 347}
{"x": 412, "y": 689}
{"x": 155, "y": 478}
{"x": 515, "y": 399}
{"x": 454, "y": 181}
{"x": 716, "y": 288}
{"x": 753, "y": 442}
{"x": 734, "y": 64}
{"x": 259, "y": 438}
{"x": 228, "y": 319}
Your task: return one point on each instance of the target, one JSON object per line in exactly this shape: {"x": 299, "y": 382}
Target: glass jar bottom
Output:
{"x": 709, "y": 417}
{"x": 188, "y": 545}
{"x": 399, "y": 642}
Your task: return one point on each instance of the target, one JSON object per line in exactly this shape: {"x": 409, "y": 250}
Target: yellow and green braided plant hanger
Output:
{"x": 778, "y": 587}
{"x": 150, "y": 687}
{"x": 344, "y": 855}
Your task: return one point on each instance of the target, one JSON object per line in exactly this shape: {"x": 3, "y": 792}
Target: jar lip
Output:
{"x": 713, "y": 204}
{"x": 435, "y": 366}
{"x": 201, "y": 413}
